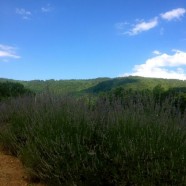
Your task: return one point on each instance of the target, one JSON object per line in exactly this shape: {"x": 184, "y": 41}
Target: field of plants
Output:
{"x": 130, "y": 139}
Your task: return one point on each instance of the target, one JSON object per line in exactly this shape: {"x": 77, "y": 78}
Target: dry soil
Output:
{"x": 12, "y": 172}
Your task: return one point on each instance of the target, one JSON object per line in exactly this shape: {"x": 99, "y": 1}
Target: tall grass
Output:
{"x": 67, "y": 141}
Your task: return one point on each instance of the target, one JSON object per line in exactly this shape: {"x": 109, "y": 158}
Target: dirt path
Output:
{"x": 12, "y": 172}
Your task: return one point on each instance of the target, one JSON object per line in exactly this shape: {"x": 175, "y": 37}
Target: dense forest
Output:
{"x": 121, "y": 131}
{"x": 99, "y": 85}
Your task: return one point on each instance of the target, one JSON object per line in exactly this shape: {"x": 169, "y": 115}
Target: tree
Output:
{"x": 11, "y": 89}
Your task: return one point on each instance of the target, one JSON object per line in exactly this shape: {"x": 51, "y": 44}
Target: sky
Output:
{"x": 85, "y": 39}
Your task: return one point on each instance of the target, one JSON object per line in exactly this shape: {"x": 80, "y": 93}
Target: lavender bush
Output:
{"x": 88, "y": 141}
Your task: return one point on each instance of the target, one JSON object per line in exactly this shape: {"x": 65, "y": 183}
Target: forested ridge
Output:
{"x": 99, "y": 85}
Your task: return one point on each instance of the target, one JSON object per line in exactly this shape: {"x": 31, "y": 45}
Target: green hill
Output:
{"x": 135, "y": 83}
{"x": 62, "y": 86}
{"x": 98, "y": 85}
{"x": 58, "y": 86}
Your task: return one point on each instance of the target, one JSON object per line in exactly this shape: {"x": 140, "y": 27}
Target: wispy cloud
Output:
{"x": 173, "y": 14}
{"x": 7, "y": 52}
{"x": 156, "y": 52}
{"x": 46, "y": 9}
{"x": 163, "y": 66}
{"x": 23, "y": 13}
{"x": 121, "y": 25}
{"x": 143, "y": 26}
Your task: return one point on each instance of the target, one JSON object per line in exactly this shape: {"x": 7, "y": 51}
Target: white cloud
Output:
{"x": 173, "y": 14}
{"x": 47, "y": 8}
{"x": 7, "y": 52}
{"x": 156, "y": 52}
{"x": 23, "y": 13}
{"x": 143, "y": 26}
{"x": 163, "y": 66}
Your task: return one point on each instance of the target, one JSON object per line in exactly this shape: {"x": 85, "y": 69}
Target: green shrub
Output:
{"x": 13, "y": 89}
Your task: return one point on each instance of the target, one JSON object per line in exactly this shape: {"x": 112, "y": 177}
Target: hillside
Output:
{"x": 62, "y": 86}
{"x": 98, "y": 85}
{"x": 60, "y": 138}
{"x": 135, "y": 83}
{"x": 58, "y": 86}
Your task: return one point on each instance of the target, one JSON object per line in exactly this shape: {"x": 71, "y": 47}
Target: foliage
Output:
{"x": 105, "y": 141}
{"x": 99, "y": 85}
{"x": 176, "y": 95}
{"x": 12, "y": 89}
{"x": 135, "y": 83}
{"x": 62, "y": 87}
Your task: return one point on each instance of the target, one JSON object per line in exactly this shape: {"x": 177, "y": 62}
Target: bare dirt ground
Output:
{"x": 12, "y": 172}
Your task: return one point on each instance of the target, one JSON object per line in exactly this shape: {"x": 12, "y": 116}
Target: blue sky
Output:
{"x": 83, "y": 39}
